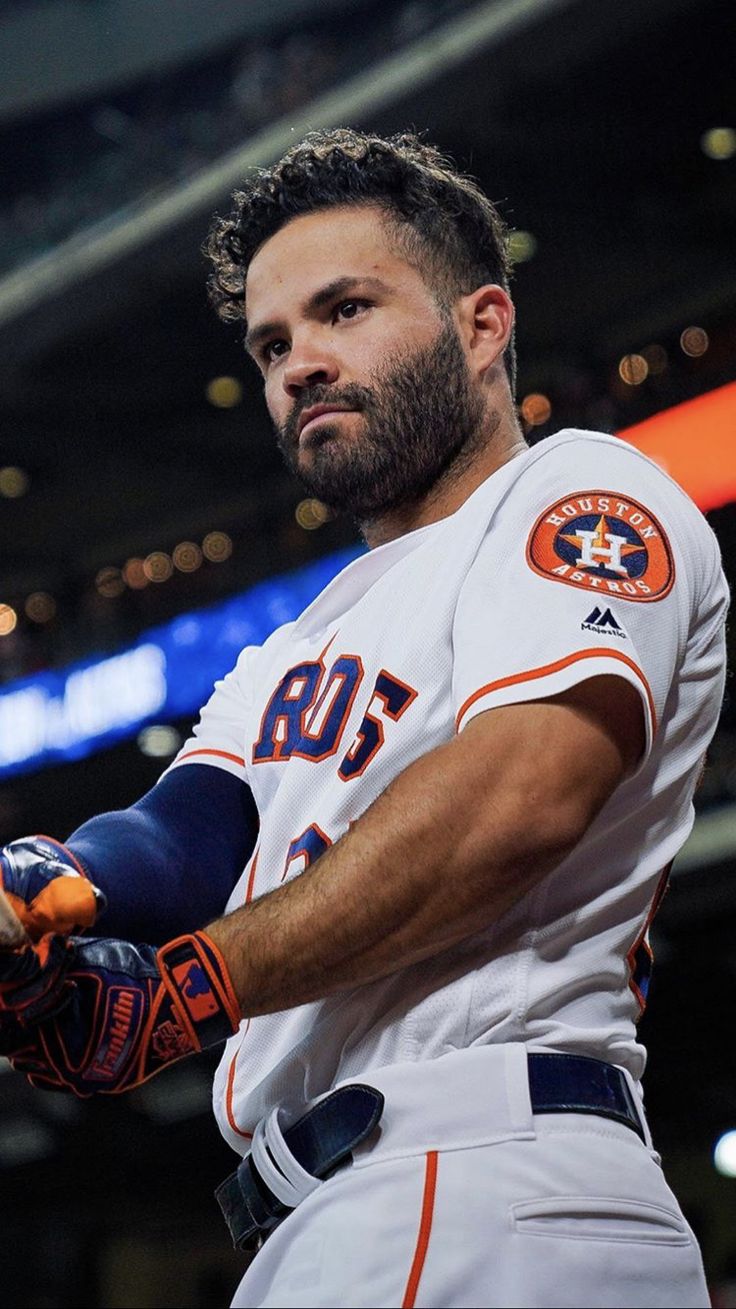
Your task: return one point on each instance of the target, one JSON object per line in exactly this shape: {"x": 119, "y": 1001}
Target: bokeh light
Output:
{"x": 694, "y": 341}
{"x": 224, "y": 392}
{"x": 522, "y": 246}
{"x": 724, "y": 1154}
{"x": 8, "y": 620}
{"x": 656, "y": 357}
{"x": 311, "y": 514}
{"x": 134, "y": 574}
{"x": 217, "y": 547}
{"x": 633, "y": 369}
{"x": 110, "y": 583}
{"x": 158, "y": 566}
{"x": 14, "y": 482}
{"x": 187, "y": 556}
{"x": 719, "y": 143}
{"x": 535, "y": 409}
{"x": 40, "y": 607}
{"x": 159, "y": 741}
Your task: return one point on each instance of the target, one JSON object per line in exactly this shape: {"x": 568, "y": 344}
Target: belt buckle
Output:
{"x": 318, "y": 1143}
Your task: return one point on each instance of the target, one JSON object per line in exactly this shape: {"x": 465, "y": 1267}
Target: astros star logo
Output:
{"x": 602, "y": 541}
{"x": 601, "y": 546}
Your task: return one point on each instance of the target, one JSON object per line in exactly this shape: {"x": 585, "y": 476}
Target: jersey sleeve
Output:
{"x": 218, "y": 737}
{"x": 590, "y": 566}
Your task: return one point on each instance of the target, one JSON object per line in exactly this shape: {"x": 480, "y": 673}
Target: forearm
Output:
{"x": 415, "y": 874}
{"x": 170, "y": 861}
{"x": 457, "y": 839}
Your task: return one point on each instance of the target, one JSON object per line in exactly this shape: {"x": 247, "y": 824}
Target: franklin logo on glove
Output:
{"x": 125, "y": 1009}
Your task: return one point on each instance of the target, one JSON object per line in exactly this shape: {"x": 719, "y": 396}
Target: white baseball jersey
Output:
{"x": 577, "y": 558}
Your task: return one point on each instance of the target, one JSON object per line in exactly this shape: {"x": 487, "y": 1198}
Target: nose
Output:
{"x": 308, "y": 365}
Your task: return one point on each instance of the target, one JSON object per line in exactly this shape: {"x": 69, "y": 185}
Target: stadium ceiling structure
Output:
{"x": 583, "y": 121}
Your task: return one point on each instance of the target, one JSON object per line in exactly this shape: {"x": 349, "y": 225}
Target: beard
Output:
{"x": 422, "y": 420}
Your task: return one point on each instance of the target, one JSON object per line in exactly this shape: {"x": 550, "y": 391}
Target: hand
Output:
{"x": 32, "y": 981}
{"x": 48, "y": 889}
{"x": 102, "y": 1016}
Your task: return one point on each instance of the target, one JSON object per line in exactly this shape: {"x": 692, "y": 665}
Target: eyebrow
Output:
{"x": 339, "y": 286}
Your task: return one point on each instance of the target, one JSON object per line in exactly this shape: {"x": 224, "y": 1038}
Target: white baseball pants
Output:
{"x": 468, "y": 1199}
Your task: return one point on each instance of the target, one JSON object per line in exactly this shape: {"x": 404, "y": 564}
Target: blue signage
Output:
{"x": 53, "y": 717}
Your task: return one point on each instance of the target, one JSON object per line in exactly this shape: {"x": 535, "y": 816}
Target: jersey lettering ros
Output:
{"x": 578, "y": 558}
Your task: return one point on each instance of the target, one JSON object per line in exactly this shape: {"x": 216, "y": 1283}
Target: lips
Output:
{"x": 317, "y": 411}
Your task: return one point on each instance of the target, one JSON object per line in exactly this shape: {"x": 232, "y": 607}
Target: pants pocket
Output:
{"x": 599, "y": 1218}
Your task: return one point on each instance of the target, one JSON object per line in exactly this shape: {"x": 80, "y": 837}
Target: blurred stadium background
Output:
{"x": 149, "y": 530}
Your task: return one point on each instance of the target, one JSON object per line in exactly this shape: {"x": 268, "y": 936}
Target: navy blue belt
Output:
{"x": 323, "y": 1139}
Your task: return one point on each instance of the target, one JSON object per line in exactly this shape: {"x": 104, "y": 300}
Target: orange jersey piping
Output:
{"x": 221, "y": 754}
{"x": 548, "y": 669}
{"x": 251, "y": 878}
{"x": 229, "y": 1092}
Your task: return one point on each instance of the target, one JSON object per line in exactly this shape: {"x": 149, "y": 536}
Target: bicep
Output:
{"x": 554, "y": 762}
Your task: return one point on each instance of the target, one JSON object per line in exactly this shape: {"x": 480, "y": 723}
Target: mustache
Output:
{"x": 351, "y": 396}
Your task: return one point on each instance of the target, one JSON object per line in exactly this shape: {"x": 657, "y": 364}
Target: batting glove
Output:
{"x": 102, "y": 1016}
{"x": 48, "y": 889}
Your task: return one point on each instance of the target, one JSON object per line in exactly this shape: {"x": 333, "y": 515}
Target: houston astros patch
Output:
{"x": 602, "y": 541}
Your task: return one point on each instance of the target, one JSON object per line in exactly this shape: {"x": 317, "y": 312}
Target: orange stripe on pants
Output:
{"x": 425, "y": 1228}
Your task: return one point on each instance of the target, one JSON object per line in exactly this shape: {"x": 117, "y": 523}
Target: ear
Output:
{"x": 486, "y": 323}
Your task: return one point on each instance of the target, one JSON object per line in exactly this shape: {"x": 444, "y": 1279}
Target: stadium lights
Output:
{"x": 110, "y": 583}
{"x": 14, "y": 482}
{"x": 656, "y": 357}
{"x": 134, "y": 574}
{"x": 311, "y": 514}
{"x": 633, "y": 369}
{"x": 694, "y": 341}
{"x": 159, "y": 741}
{"x": 224, "y": 392}
{"x": 719, "y": 143}
{"x": 535, "y": 409}
{"x": 217, "y": 547}
{"x": 158, "y": 566}
{"x": 522, "y": 246}
{"x": 724, "y": 1154}
{"x": 40, "y": 607}
{"x": 8, "y": 620}
{"x": 187, "y": 556}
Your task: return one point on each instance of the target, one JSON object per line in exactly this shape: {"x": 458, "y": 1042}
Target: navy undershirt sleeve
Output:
{"x": 168, "y": 863}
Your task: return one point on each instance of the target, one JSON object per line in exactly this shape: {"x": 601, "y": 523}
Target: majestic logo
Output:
{"x": 602, "y": 542}
{"x": 603, "y": 621}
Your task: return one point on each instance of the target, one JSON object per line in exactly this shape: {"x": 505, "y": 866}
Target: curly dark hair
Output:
{"x": 444, "y": 224}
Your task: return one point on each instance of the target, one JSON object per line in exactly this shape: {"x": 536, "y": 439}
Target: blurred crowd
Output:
{"x": 69, "y": 170}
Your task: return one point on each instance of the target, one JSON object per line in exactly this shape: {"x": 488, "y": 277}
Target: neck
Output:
{"x": 457, "y": 483}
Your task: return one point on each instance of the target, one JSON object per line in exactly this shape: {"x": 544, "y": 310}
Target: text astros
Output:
{"x": 603, "y": 541}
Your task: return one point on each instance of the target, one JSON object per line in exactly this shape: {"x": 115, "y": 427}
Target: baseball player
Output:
{"x": 439, "y": 808}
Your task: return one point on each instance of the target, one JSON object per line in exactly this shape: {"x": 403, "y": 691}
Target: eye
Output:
{"x": 349, "y": 309}
{"x": 274, "y": 350}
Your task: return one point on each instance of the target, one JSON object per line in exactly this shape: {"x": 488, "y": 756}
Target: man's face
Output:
{"x": 366, "y": 379}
